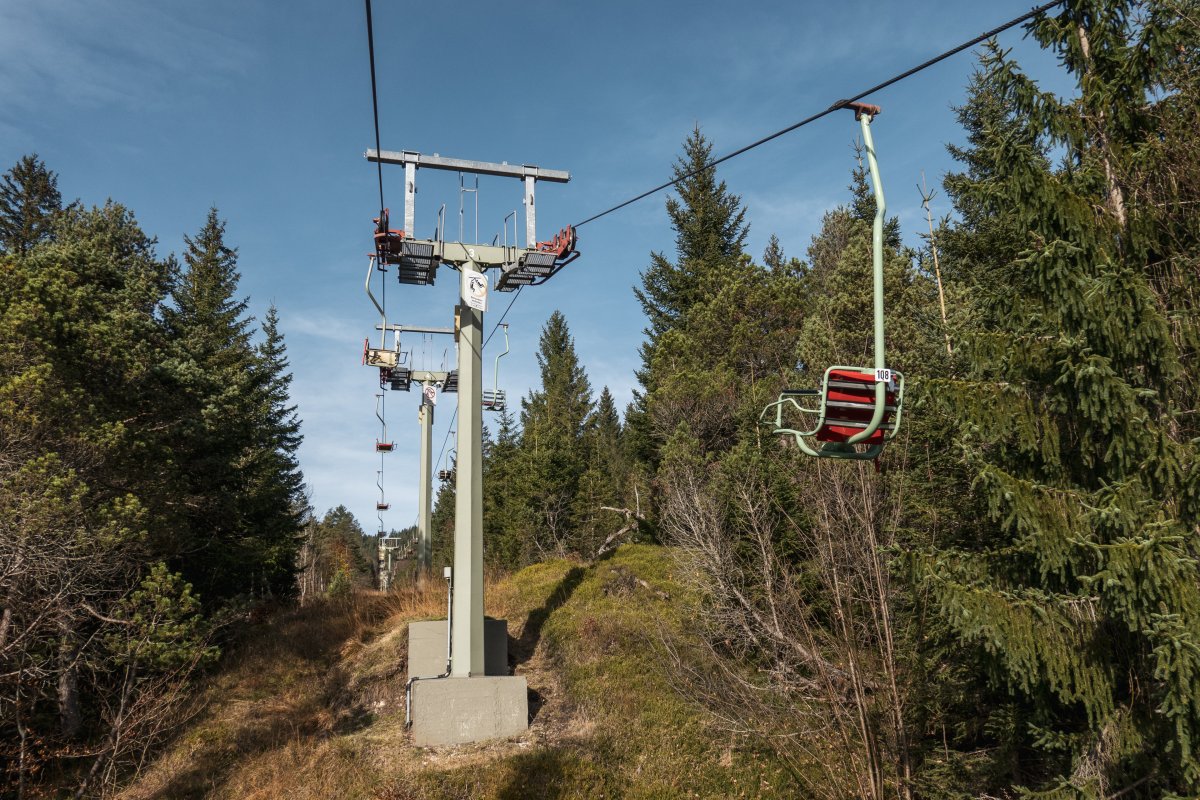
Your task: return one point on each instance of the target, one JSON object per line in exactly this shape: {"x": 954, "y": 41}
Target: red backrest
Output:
{"x": 849, "y": 406}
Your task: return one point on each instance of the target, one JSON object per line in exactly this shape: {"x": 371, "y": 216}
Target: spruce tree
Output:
{"x": 222, "y": 378}
{"x": 562, "y": 404}
{"x": 1078, "y": 590}
{"x": 605, "y": 434}
{"x": 710, "y": 231}
{"x": 441, "y": 523}
{"x": 275, "y": 486}
{"x": 553, "y": 420}
{"x": 604, "y": 478}
{"x": 29, "y": 202}
{"x": 340, "y": 560}
{"x": 502, "y": 512}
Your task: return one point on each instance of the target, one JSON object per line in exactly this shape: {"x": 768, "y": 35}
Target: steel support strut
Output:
{"x": 467, "y": 647}
{"x": 425, "y": 490}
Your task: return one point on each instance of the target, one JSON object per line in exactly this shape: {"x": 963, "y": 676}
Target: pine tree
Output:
{"x": 773, "y": 255}
{"x": 710, "y": 230}
{"x": 29, "y": 202}
{"x": 275, "y": 486}
{"x": 1079, "y": 591}
{"x": 862, "y": 206}
{"x": 222, "y": 382}
{"x": 838, "y": 325}
{"x": 553, "y": 420}
{"x": 84, "y": 350}
{"x": 603, "y": 481}
{"x": 84, "y": 410}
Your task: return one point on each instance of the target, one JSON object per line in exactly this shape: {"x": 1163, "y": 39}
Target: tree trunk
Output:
{"x": 70, "y": 719}
{"x": 5, "y": 624}
{"x": 1116, "y": 195}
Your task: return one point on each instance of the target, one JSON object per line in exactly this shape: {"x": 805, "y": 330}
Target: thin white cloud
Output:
{"x": 323, "y": 325}
{"x": 80, "y": 54}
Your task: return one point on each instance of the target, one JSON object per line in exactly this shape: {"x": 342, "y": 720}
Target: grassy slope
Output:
{"x": 313, "y": 707}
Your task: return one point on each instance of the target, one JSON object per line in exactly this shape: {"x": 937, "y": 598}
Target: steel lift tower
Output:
{"x": 469, "y": 700}
{"x": 399, "y": 377}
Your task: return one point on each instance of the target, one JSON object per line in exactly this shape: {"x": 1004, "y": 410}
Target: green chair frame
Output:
{"x": 886, "y": 380}
{"x": 848, "y": 448}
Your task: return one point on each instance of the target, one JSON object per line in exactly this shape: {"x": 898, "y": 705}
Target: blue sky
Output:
{"x": 263, "y": 109}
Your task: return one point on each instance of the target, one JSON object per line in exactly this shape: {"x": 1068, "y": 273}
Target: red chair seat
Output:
{"x": 850, "y": 405}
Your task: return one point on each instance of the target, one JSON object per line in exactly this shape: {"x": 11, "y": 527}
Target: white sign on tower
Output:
{"x": 475, "y": 289}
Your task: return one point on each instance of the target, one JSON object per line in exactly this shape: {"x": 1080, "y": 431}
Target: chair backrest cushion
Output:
{"x": 850, "y": 404}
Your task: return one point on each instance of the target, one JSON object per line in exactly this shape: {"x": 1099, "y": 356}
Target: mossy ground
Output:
{"x": 313, "y": 705}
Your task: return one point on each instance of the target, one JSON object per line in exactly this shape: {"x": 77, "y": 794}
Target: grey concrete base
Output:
{"x": 427, "y": 648}
{"x": 462, "y": 710}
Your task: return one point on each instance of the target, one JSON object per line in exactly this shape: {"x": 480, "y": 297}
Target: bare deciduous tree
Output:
{"x": 797, "y": 620}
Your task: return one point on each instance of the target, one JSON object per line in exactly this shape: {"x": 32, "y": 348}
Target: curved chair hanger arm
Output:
{"x": 496, "y": 376}
{"x": 865, "y": 113}
{"x": 382, "y": 314}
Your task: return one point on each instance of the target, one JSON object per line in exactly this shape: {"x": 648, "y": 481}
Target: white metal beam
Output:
{"x": 502, "y": 170}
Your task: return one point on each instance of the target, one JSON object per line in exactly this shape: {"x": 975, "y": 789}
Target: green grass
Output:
{"x": 313, "y": 707}
{"x": 605, "y": 636}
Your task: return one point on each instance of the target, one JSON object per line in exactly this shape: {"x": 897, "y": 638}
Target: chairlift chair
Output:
{"x": 446, "y": 473}
{"x": 415, "y": 261}
{"x": 382, "y": 445}
{"x": 387, "y": 241}
{"x": 495, "y": 399}
{"x": 392, "y": 373}
{"x": 397, "y": 378}
{"x": 382, "y": 357}
{"x": 538, "y": 264}
{"x": 857, "y": 409}
{"x": 844, "y": 412}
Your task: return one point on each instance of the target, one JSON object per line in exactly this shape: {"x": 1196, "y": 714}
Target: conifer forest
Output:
{"x": 1003, "y": 603}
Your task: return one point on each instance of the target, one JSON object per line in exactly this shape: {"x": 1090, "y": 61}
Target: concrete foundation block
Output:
{"x": 462, "y": 710}
{"x": 427, "y": 648}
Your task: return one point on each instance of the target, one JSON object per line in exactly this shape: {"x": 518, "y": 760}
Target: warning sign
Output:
{"x": 429, "y": 396}
{"x": 475, "y": 289}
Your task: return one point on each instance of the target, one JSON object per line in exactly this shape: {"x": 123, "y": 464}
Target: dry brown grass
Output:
{"x": 291, "y": 691}
{"x": 312, "y": 706}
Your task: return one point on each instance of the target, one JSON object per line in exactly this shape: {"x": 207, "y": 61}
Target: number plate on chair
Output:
{"x": 883, "y": 375}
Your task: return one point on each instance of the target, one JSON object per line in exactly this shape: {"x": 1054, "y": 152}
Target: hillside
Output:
{"x": 312, "y": 705}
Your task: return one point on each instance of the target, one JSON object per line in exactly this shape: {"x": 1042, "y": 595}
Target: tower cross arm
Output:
{"x": 502, "y": 170}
